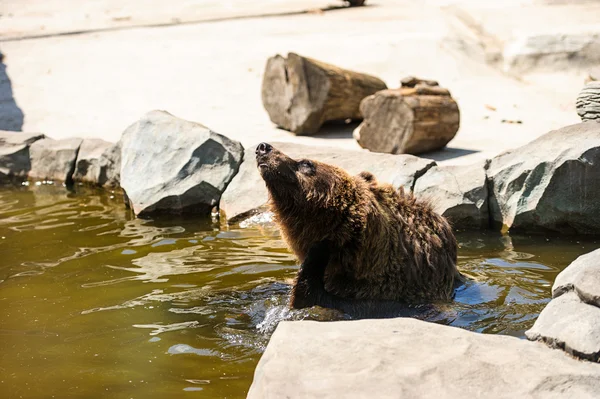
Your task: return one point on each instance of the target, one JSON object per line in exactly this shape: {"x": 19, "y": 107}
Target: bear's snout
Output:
{"x": 263, "y": 149}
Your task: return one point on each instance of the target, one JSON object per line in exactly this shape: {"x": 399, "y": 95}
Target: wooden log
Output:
{"x": 409, "y": 120}
{"x": 300, "y": 94}
{"x": 412, "y": 81}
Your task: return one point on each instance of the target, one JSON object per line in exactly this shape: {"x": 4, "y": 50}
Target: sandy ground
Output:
{"x": 203, "y": 61}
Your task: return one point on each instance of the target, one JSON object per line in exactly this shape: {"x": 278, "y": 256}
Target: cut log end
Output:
{"x": 300, "y": 94}
{"x": 397, "y": 123}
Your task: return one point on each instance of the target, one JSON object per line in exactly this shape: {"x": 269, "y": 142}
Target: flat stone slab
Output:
{"x": 410, "y": 358}
{"x": 247, "y": 191}
{"x": 570, "y": 324}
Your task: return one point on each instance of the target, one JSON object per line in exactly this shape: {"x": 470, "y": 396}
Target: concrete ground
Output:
{"x": 90, "y": 69}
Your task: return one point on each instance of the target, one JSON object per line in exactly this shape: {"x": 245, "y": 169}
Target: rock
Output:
{"x": 410, "y": 120}
{"x": 300, "y": 94}
{"x": 583, "y": 276}
{"x": 588, "y": 102}
{"x": 408, "y": 358}
{"x": 571, "y": 321}
{"x": 110, "y": 163}
{"x": 552, "y": 183}
{"x": 170, "y": 165}
{"x": 247, "y": 193}
{"x": 458, "y": 193}
{"x": 551, "y": 51}
{"x": 96, "y": 162}
{"x": 54, "y": 159}
{"x": 14, "y": 154}
{"x": 570, "y": 324}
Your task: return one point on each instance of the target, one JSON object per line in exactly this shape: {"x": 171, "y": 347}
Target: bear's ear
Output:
{"x": 306, "y": 167}
{"x": 367, "y": 176}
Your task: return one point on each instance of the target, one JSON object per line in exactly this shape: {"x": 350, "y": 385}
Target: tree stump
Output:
{"x": 411, "y": 120}
{"x": 300, "y": 94}
{"x": 588, "y": 102}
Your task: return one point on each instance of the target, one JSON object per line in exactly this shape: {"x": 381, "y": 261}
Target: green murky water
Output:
{"x": 94, "y": 303}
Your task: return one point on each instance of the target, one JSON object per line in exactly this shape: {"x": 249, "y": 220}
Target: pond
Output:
{"x": 96, "y": 303}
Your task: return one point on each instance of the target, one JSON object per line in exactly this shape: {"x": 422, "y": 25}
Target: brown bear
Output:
{"x": 361, "y": 243}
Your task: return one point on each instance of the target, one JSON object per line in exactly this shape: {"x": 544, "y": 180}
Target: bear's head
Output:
{"x": 301, "y": 184}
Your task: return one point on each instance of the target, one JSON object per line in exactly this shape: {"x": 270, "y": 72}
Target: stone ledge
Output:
{"x": 410, "y": 358}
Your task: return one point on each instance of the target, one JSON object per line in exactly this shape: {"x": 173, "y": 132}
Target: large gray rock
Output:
{"x": 552, "y": 183}
{"x": 409, "y": 358}
{"x": 571, "y": 321}
{"x": 14, "y": 154}
{"x": 247, "y": 192}
{"x": 98, "y": 163}
{"x": 458, "y": 193}
{"x": 54, "y": 159}
{"x": 583, "y": 276}
{"x": 170, "y": 165}
{"x": 588, "y": 102}
{"x": 570, "y": 324}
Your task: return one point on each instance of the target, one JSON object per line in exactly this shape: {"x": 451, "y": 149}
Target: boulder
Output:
{"x": 247, "y": 192}
{"x": 169, "y": 165}
{"x": 571, "y": 321}
{"x": 588, "y": 102}
{"x": 458, "y": 193}
{"x": 570, "y": 324}
{"x": 551, "y": 184}
{"x": 410, "y": 120}
{"x": 583, "y": 276}
{"x": 54, "y": 159}
{"x": 97, "y": 163}
{"x": 14, "y": 154}
{"x": 409, "y": 358}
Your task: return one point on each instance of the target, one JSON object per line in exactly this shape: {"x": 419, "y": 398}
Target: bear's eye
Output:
{"x": 306, "y": 167}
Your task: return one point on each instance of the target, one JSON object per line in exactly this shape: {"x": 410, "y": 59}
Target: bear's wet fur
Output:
{"x": 361, "y": 243}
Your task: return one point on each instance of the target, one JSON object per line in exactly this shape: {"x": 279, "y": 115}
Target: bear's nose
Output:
{"x": 263, "y": 148}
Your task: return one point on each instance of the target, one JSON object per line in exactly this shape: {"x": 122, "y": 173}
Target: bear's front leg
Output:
{"x": 309, "y": 287}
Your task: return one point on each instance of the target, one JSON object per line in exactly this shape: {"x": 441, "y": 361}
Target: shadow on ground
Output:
{"x": 336, "y": 130}
{"x": 11, "y": 116}
{"x": 447, "y": 153}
